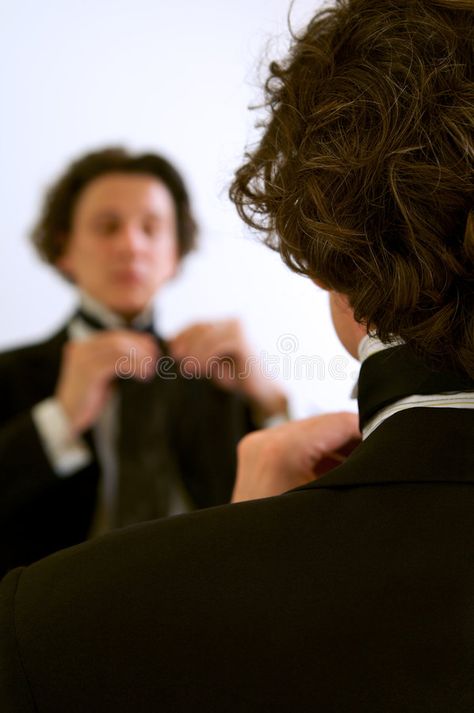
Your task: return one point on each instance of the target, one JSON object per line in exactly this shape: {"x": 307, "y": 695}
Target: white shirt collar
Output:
{"x": 111, "y": 319}
{"x": 370, "y": 345}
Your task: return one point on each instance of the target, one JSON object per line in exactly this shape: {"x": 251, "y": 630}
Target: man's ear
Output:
{"x": 64, "y": 263}
{"x": 347, "y": 329}
{"x": 342, "y": 302}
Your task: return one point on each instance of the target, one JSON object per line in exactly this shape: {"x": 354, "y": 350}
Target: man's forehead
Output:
{"x": 115, "y": 193}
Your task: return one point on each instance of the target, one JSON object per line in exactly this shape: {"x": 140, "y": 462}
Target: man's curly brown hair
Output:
{"x": 54, "y": 225}
{"x": 363, "y": 178}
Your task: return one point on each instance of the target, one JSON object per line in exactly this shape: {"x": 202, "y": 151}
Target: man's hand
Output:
{"x": 220, "y": 350}
{"x": 89, "y": 367}
{"x": 275, "y": 460}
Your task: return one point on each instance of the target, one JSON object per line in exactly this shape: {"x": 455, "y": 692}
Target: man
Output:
{"x": 355, "y": 591}
{"x": 80, "y": 450}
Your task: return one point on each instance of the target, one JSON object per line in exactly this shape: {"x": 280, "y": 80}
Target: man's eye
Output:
{"x": 151, "y": 229}
{"x": 108, "y": 228}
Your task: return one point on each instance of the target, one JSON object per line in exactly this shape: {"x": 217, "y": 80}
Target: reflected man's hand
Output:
{"x": 220, "y": 350}
{"x": 89, "y": 367}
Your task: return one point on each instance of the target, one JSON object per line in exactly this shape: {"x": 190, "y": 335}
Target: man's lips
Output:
{"x": 129, "y": 277}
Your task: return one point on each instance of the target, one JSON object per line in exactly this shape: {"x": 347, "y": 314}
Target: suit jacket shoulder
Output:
{"x": 351, "y": 595}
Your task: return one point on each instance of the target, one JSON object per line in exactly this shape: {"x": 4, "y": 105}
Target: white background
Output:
{"x": 175, "y": 78}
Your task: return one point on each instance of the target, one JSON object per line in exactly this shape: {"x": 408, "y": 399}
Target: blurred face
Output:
{"x": 123, "y": 244}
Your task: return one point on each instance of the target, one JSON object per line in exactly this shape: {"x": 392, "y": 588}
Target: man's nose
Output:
{"x": 131, "y": 239}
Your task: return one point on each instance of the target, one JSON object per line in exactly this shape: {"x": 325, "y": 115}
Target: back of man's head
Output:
{"x": 363, "y": 178}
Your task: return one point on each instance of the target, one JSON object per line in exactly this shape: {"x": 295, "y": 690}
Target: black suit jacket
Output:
{"x": 40, "y": 512}
{"x": 354, "y": 594}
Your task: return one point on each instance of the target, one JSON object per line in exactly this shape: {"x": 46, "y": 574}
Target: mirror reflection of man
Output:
{"x": 117, "y": 226}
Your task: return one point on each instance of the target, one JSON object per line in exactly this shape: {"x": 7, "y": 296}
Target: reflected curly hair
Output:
{"x": 363, "y": 178}
{"x": 51, "y": 232}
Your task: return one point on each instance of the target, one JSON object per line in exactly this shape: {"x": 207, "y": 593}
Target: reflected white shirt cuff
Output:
{"x": 66, "y": 452}
{"x": 276, "y": 420}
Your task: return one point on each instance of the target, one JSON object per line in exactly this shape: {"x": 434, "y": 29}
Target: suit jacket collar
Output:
{"x": 419, "y": 445}
{"x": 396, "y": 373}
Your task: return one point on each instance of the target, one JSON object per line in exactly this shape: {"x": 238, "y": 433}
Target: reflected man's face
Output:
{"x": 123, "y": 244}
